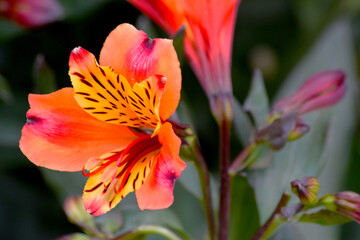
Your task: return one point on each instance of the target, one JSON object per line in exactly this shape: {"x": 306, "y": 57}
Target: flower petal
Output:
{"x": 109, "y": 97}
{"x": 166, "y": 13}
{"x": 157, "y": 191}
{"x": 59, "y": 135}
{"x": 132, "y": 54}
{"x": 113, "y": 180}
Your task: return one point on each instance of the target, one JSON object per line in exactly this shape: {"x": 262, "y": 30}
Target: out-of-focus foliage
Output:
{"x": 286, "y": 40}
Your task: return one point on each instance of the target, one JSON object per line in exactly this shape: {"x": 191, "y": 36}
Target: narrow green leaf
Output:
{"x": 5, "y": 92}
{"x": 242, "y": 124}
{"x": 257, "y": 102}
{"x": 190, "y": 180}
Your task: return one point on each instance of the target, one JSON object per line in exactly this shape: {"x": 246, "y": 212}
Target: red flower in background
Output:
{"x": 113, "y": 124}
{"x": 31, "y": 13}
{"x": 209, "y": 27}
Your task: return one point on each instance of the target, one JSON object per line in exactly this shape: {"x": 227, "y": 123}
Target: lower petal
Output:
{"x": 157, "y": 191}
{"x": 60, "y": 135}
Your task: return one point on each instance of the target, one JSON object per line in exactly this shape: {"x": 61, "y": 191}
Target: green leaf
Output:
{"x": 326, "y": 142}
{"x": 257, "y": 102}
{"x": 242, "y": 124}
{"x": 44, "y": 77}
{"x": 64, "y": 184}
{"x": 190, "y": 180}
{"x": 75, "y": 236}
{"x": 144, "y": 230}
{"x": 244, "y": 215}
{"x": 324, "y": 217}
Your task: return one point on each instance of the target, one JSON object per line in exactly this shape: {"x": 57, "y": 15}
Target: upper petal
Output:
{"x": 60, "y": 135}
{"x": 157, "y": 190}
{"x": 132, "y": 54}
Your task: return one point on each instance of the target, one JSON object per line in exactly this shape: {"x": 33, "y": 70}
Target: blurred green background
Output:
{"x": 275, "y": 36}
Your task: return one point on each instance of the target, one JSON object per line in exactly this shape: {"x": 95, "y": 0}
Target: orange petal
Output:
{"x": 132, "y": 54}
{"x": 59, "y": 135}
{"x": 166, "y": 13}
{"x": 157, "y": 191}
{"x": 109, "y": 97}
{"x": 107, "y": 187}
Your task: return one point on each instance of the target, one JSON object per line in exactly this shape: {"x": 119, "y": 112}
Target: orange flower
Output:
{"x": 113, "y": 124}
{"x": 209, "y": 26}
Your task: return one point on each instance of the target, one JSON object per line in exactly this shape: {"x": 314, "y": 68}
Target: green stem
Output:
{"x": 224, "y": 216}
{"x": 240, "y": 161}
{"x": 266, "y": 230}
{"x": 147, "y": 229}
{"x": 204, "y": 176}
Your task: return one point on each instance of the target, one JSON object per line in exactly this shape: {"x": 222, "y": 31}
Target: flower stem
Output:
{"x": 224, "y": 130}
{"x": 239, "y": 163}
{"x": 266, "y": 230}
{"x": 204, "y": 176}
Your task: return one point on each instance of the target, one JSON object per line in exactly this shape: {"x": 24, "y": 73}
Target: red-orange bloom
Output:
{"x": 112, "y": 124}
{"x": 209, "y": 26}
{"x": 31, "y": 13}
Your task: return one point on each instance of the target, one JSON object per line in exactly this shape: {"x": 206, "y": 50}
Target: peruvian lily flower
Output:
{"x": 284, "y": 123}
{"x": 31, "y": 13}
{"x": 113, "y": 124}
{"x": 209, "y": 27}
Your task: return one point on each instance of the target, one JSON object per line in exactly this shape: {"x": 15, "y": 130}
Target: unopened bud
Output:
{"x": 306, "y": 189}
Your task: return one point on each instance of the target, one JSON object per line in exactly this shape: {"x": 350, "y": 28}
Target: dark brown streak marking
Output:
{"x": 132, "y": 99}
{"x": 139, "y": 112}
{"x": 94, "y": 188}
{"x": 154, "y": 100}
{"x": 82, "y": 93}
{"x": 99, "y": 112}
{"x": 147, "y": 93}
{"x": 149, "y": 86}
{"x": 89, "y": 108}
{"x": 142, "y": 103}
{"x": 144, "y": 171}
{"x": 138, "y": 96}
{"x": 111, "y": 84}
{"x": 144, "y": 159}
{"x": 111, "y": 119}
{"x": 78, "y": 74}
{"x": 135, "y": 106}
{"x": 134, "y": 182}
{"x": 102, "y": 71}
{"x": 92, "y": 99}
{"x": 112, "y": 95}
{"x": 123, "y": 122}
{"x": 107, "y": 108}
{"x": 151, "y": 112}
{"x": 86, "y": 82}
{"x": 122, "y": 96}
{"x": 97, "y": 80}
{"x": 122, "y": 86}
{"x": 102, "y": 96}
{"x": 117, "y": 79}
{"x": 123, "y": 105}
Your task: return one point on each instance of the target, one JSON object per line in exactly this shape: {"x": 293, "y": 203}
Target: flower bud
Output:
{"x": 346, "y": 203}
{"x": 306, "y": 189}
{"x": 76, "y": 213}
{"x": 321, "y": 90}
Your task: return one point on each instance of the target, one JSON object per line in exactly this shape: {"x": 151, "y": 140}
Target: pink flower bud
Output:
{"x": 346, "y": 203}
{"x": 321, "y": 90}
{"x": 31, "y": 13}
